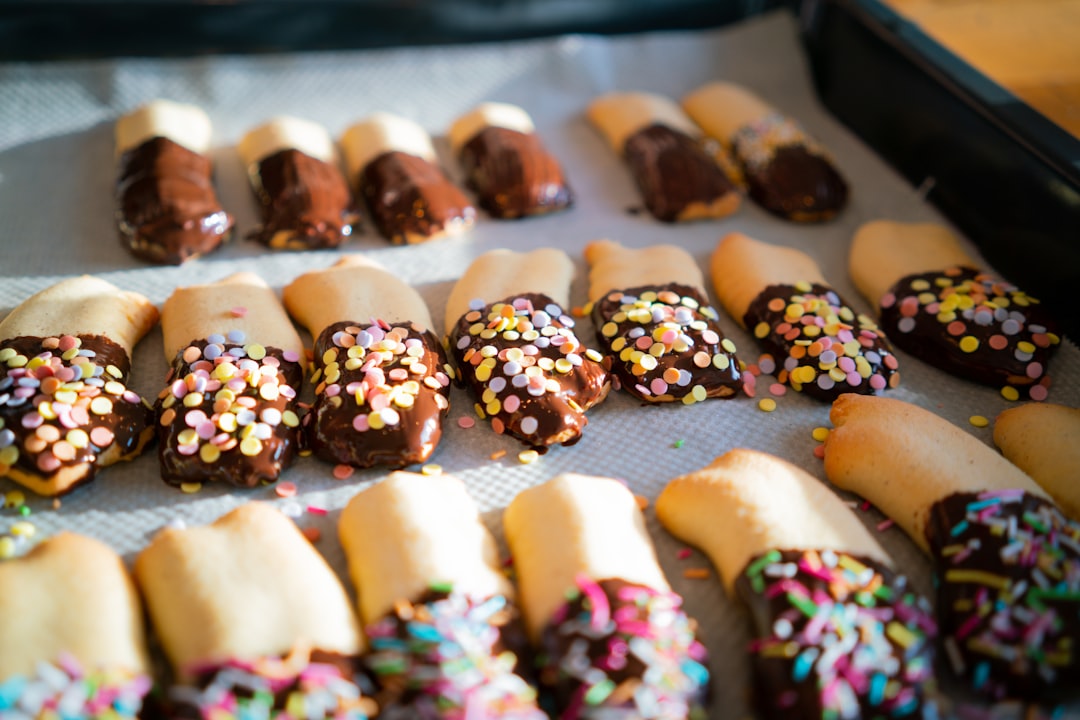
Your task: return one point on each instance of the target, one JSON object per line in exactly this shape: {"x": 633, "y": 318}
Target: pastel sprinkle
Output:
{"x": 766, "y": 404}
{"x": 526, "y": 457}
{"x": 190, "y": 488}
{"x": 978, "y": 421}
{"x": 820, "y": 433}
{"x": 343, "y": 472}
{"x": 431, "y": 469}
{"x": 285, "y": 489}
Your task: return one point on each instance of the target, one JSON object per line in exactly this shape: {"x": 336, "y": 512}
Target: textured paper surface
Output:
{"x": 56, "y": 185}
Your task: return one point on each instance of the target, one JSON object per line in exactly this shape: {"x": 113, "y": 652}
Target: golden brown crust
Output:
{"x": 1043, "y": 440}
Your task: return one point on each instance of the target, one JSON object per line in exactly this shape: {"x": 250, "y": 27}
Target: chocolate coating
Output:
{"x": 167, "y": 211}
{"x": 527, "y": 369}
{"x": 410, "y": 199}
{"x": 673, "y": 172}
{"x": 836, "y": 635}
{"x": 513, "y": 175}
{"x": 305, "y": 202}
{"x": 1008, "y": 578}
{"x": 664, "y": 343}
{"x": 395, "y": 372}
{"x": 821, "y": 347}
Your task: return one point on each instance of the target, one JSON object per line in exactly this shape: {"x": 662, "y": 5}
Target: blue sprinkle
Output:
{"x": 982, "y": 674}
{"x": 804, "y": 663}
{"x": 10, "y": 691}
{"x": 216, "y": 339}
{"x": 959, "y": 528}
{"x": 877, "y": 688}
{"x": 236, "y": 336}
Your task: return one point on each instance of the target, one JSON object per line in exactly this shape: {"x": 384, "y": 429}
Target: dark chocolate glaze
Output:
{"x": 305, "y": 202}
{"x": 410, "y": 199}
{"x": 886, "y": 667}
{"x": 330, "y": 426}
{"x": 554, "y": 415}
{"x": 673, "y": 172}
{"x": 842, "y": 352}
{"x": 1013, "y": 336}
{"x": 513, "y": 175}
{"x": 1007, "y": 568}
{"x": 167, "y": 211}
{"x": 24, "y": 391}
{"x": 697, "y": 352}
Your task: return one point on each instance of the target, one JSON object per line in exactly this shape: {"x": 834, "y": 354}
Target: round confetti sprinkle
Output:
{"x": 431, "y": 469}
{"x": 313, "y": 534}
{"x": 1010, "y": 393}
{"x": 466, "y": 422}
{"x": 767, "y": 404}
{"x": 285, "y": 489}
{"x": 343, "y": 472}
{"x": 820, "y": 433}
{"x": 526, "y": 457}
{"x": 978, "y": 421}
{"x": 190, "y": 488}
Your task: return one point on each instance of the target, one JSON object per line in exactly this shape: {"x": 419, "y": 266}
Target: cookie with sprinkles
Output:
{"x": 936, "y": 304}
{"x": 613, "y": 640}
{"x": 662, "y": 335}
{"x": 381, "y": 376}
{"x": 445, "y": 634}
{"x": 1006, "y": 560}
{"x": 821, "y": 346}
{"x": 1043, "y": 440}
{"x": 253, "y": 621}
{"x": 228, "y": 411}
{"x": 786, "y": 171}
{"x": 65, "y": 406}
{"x": 72, "y": 642}
{"x": 516, "y": 348}
{"x": 837, "y": 632}
{"x": 679, "y": 175}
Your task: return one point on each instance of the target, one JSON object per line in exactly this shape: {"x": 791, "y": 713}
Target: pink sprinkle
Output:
{"x": 360, "y": 423}
{"x": 285, "y": 489}
{"x": 465, "y": 422}
{"x": 291, "y": 355}
{"x": 1034, "y": 370}
{"x": 511, "y": 403}
{"x": 777, "y": 389}
{"x": 47, "y": 462}
{"x": 316, "y": 510}
{"x": 819, "y": 452}
{"x": 67, "y": 342}
{"x": 658, "y": 386}
{"x": 333, "y": 390}
{"x": 343, "y": 472}
{"x": 885, "y": 525}
{"x": 865, "y": 505}
{"x": 854, "y": 379}
{"x": 32, "y": 420}
{"x": 878, "y": 382}
{"x": 887, "y": 301}
{"x": 683, "y": 553}
{"x": 1038, "y": 393}
{"x": 239, "y": 311}
{"x": 188, "y": 449}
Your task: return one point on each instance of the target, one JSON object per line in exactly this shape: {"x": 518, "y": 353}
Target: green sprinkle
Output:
{"x": 806, "y": 607}
{"x": 678, "y": 443}
{"x": 24, "y": 510}
{"x": 599, "y": 692}
{"x": 1033, "y": 520}
{"x": 762, "y": 562}
{"x": 441, "y": 586}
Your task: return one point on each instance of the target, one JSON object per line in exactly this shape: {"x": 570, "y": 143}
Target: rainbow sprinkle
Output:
{"x": 65, "y": 691}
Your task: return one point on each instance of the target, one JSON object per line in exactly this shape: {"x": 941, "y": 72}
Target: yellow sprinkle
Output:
{"x": 761, "y": 330}
{"x": 190, "y": 488}
{"x": 187, "y": 437}
{"x": 720, "y": 362}
{"x": 978, "y": 421}
{"x": 969, "y": 344}
{"x": 9, "y": 455}
{"x": 251, "y": 446}
{"x": 101, "y": 405}
{"x": 979, "y": 577}
{"x": 562, "y": 365}
{"x": 820, "y": 433}
{"x": 209, "y": 453}
{"x": 7, "y": 548}
{"x": 767, "y": 404}
{"x": 78, "y": 438}
{"x": 431, "y": 469}
{"x": 46, "y": 411}
{"x": 900, "y": 634}
{"x": 227, "y": 422}
{"x": 1010, "y": 393}
{"x": 375, "y": 421}
{"x": 255, "y": 351}
{"x": 609, "y": 329}
{"x": 699, "y": 393}
{"x": 268, "y": 392}
{"x": 528, "y": 456}
{"x": 14, "y": 499}
{"x": 728, "y": 345}
{"x": 190, "y": 400}
{"x": 23, "y": 529}
{"x": 290, "y": 419}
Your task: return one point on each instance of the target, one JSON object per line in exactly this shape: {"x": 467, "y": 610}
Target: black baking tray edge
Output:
{"x": 1002, "y": 173}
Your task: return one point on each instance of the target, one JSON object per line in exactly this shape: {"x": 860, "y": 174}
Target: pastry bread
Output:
{"x": 786, "y": 171}
{"x": 228, "y": 411}
{"x": 661, "y": 332}
{"x": 1043, "y": 440}
{"x": 678, "y": 177}
{"x": 65, "y": 408}
{"x": 516, "y": 350}
{"x": 820, "y": 344}
{"x": 937, "y": 305}
{"x": 303, "y": 198}
{"x": 166, "y": 208}
{"x": 506, "y": 164}
{"x": 788, "y": 548}
{"x": 381, "y": 376}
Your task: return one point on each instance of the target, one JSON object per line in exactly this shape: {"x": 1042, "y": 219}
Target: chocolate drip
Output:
{"x": 305, "y": 202}
{"x": 513, "y": 174}
{"x": 665, "y": 344}
{"x": 1008, "y": 578}
{"x": 836, "y": 635}
{"x": 821, "y": 347}
{"x": 381, "y": 394}
{"x": 167, "y": 211}
{"x": 411, "y": 200}
{"x": 674, "y": 173}
{"x": 527, "y": 369}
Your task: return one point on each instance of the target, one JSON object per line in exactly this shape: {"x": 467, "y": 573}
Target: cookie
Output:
{"x": 303, "y": 197}
{"x": 660, "y": 331}
{"x": 166, "y": 208}
{"x": 613, "y": 638}
{"x": 392, "y": 163}
{"x": 1006, "y": 560}
{"x": 1043, "y": 440}
{"x": 506, "y": 163}
{"x": 679, "y": 178}
{"x": 786, "y": 171}
{"x": 65, "y": 406}
{"x": 72, "y": 642}
{"x": 515, "y": 347}
{"x": 381, "y": 376}
{"x": 818, "y": 343}
{"x": 228, "y": 411}
{"x": 938, "y": 306}
{"x": 789, "y": 548}
{"x": 438, "y": 612}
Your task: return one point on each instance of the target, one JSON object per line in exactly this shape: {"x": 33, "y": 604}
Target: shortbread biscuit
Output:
{"x": 427, "y": 569}
{"x": 1043, "y": 440}
{"x": 303, "y": 197}
{"x": 818, "y": 343}
{"x": 392, "y": 163}
{"x": 679, "y": 178}
{"x": 228, "y": 411}
{"x": 506, "y": 164}
{"x": 381, "y": 375}
{"x": 786, "y": 171}
{"x": 515, "y": 347}
{"x": 652, "y": 315}
{"x": 166, "y": 207}
{"x": 937, "y": 305}
{"x": 65, "y": 408}
{"x": 784, "y": 544}
{"x": 590, "y": 588}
